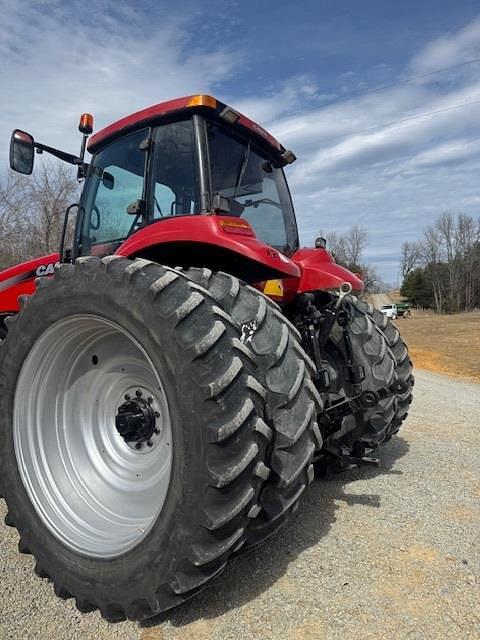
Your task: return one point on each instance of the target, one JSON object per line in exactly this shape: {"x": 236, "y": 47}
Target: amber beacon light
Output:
{"x": 86, "y": 123}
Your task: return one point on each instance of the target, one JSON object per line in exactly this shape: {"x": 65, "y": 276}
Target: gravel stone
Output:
{"x": 374, "y": 553}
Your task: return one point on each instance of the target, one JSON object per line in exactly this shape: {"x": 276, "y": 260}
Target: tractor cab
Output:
{"x": 190, "y": 182}
{"x": 192, "y": 161}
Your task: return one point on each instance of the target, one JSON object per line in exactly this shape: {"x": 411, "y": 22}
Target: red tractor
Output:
{"x": 182, "y": 366}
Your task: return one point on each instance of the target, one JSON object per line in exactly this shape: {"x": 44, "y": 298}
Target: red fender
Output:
{"x": 20, "y": 280}
{"x": 319, "y": 272}
{"x": 220, "y": 242}
{"x": 308, "y": 270}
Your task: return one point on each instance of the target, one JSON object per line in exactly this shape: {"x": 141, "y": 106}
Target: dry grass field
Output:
{"x": 444, "y": 343}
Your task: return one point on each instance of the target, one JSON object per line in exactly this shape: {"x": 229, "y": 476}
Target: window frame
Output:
{"x": 201, "y": 168}
{"x": 200, "y": 150}
{"x": 80, "y": 221}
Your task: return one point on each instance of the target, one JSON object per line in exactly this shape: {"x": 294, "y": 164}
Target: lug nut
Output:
{"x": 157, "y": 415}
{"x": 138, "y": 393}
{"x": 127, "y": 396}
{"x": 157, "y": 431}
{"x": 149, "y": 443}
{"x": 138, "y": 445}
{"x": 150, "y": 400}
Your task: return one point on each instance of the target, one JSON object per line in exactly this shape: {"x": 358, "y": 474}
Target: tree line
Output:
{"x": 32, "y": 210}
{"x": 441, "y": 271}
{"x": 348, "y": 250}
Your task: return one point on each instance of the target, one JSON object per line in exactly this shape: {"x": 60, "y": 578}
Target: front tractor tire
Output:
{"x": 131, "y": 435}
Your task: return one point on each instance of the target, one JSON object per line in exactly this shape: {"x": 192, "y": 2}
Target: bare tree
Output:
{"x": 370, "y": 278}
{"x": 356, "y": 241}
{"x": 13, "y": 219}
{"x": 336, "y": 245}
{"x": 32, "y": 210}
{"x": 410, "y": 257}
{"x": 446, "y": 226}
{"x": 51, "y": 190}
{"x": 347, "y": 248}
{"x": 468, "y": 244}
{"x": 450, "y": 259}
{"x": 431, "y": 248}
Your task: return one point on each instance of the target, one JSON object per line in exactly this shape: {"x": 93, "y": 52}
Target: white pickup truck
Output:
{"x": 389, "y": 310}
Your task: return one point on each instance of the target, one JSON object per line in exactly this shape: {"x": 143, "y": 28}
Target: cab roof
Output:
{"x": 177, "y": 106}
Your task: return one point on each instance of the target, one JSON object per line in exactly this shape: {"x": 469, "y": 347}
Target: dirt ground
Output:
{"x": 444, "y": 343}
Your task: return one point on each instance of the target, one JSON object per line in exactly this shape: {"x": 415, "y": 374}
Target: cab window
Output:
{"x": 257, "y": 190}
{"x": 114, "y": 184}
{"x": 174, "y": 171}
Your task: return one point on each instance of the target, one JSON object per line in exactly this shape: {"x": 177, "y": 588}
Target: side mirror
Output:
{"x": 22, "y": 152}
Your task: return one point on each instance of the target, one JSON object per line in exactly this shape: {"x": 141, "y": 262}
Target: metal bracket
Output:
{"x": 365, "y": 400}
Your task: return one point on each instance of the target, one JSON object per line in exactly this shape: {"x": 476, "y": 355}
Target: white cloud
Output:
{"x": 450, "y": 153}
{"x": 56, "y": 66}
{"x": 380, "y": 159}
{"x": 292, "y": 96}
{"x": 356, "y": 162}
{"x": 449, "y": 49}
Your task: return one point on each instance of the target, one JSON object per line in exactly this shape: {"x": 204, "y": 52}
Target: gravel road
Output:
{"x": 390, "y": 552}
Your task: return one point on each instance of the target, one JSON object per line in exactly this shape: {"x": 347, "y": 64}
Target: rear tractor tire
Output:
{"x": 132, "y": 439}
{"x": 361, "y": 433}
{"x": 292, "y": 401}
{"x": 403, "y": 365}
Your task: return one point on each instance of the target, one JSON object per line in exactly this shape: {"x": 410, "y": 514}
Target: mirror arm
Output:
{"x": 63, "y": 155}
{"x": 82, "y": 165}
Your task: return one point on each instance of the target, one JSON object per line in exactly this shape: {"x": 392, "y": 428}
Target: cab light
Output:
{"x": 86, "y": 123}
{"x": 202, "y": 101}
{"x": 288, "y": 156}
{"x": 237, "y": 226}
{"x": 230, "y": 115}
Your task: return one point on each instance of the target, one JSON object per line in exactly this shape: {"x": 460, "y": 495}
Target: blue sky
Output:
{"x": 346, "y": 85}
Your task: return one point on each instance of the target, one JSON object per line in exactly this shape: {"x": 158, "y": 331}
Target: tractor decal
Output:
{"x": 40, "y": 271}
{"x": 46, "y": 269}
{"x": 10, "y": 282}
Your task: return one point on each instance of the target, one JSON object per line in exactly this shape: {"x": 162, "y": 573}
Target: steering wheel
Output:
{"x": 95, "y": 226}
{"x": 255, "y": 203}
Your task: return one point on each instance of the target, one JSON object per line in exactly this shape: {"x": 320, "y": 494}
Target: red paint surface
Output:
{"x": 158, "y": 111}
{"x": 318, "y": 272}
{"x": 308, "y": 270}
{"x": 208, "y": 230}
{"x": 20, "y": 280}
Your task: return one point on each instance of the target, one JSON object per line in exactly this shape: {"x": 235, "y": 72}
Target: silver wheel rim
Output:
{"x": 97, "y": 493}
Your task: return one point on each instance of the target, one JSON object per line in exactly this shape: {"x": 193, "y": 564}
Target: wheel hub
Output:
{"x": 88, "y": 399}
{"x": 136, "y": 420}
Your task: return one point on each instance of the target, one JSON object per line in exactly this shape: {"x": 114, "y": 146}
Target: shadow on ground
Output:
{"x": 266, "y": 564}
